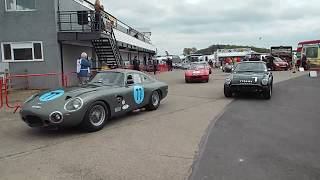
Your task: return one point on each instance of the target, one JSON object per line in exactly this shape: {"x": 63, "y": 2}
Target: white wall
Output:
{"x": 3, "y": 67}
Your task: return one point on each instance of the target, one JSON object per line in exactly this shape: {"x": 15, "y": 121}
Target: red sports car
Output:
{"x": 197, "y": 73}
{"x": 276, "y": 63}
{"x": 280, "y": 64}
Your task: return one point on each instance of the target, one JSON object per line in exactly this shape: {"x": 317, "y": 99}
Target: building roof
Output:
{"x": 123, "y": 37}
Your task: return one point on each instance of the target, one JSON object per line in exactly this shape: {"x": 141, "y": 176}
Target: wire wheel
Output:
{"x": 97, "y": 115}
{"x": 155, "y": 98}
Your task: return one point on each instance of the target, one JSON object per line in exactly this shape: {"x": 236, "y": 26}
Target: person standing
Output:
{"x": 294, "y": 63}
{"x": 210, "y": 63}
{"x": 155, "y": 65}
{"x": 83, "y": 69}
{"x": 99, "y": 24}
{"x": 304, "y": 61}
{"x": 145, "y": 63}
{"x": 136, "y": 64}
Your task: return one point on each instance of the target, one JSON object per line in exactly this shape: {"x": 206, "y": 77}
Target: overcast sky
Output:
{"x": 176, "y": 24}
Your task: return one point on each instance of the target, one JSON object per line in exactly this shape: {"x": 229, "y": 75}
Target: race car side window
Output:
{"x": 137, "y": 78}
{"x": 145, "y": 79}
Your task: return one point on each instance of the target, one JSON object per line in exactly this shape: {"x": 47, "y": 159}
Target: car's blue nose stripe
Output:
{"x": 51, "y": 95}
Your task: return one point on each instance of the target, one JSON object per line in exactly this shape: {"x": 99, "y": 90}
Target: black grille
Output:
{"x": 246, "y": 88}
{"x": 33, "y": 121}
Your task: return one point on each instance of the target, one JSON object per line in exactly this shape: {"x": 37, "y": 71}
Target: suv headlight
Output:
{"x": 73, "y": 104}
{"x": 265, "y": 82}
{"x": 228, "y": 81}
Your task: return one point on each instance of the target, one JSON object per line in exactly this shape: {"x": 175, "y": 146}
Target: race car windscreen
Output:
{"x": 109, "y": 79}
{"x": 197, "y": 66}
{"x": 276, "y": 59}
{"x": 251, "y": 67}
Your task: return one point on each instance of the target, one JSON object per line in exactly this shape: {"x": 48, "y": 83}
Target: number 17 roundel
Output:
{"x": 138, "y": 94}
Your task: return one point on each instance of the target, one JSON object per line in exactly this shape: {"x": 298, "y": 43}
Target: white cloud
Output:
{"x": 177, "y": 24}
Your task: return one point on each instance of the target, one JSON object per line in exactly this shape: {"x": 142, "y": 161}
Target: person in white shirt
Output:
{"x": 83, "y": 69}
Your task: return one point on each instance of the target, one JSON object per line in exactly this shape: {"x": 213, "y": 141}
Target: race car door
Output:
{"x": 136, "y": 91}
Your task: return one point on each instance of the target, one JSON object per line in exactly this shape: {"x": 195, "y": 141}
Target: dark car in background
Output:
{"x": 249, "y": 77}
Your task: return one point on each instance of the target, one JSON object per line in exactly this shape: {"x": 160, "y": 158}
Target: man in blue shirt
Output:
{"x": 83, "y": 69}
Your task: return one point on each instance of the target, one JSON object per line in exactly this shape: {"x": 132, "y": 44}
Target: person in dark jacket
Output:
{"x": 155, "y": 66}
{"x": 136, "y": 64}
{"x": 304, "y": 61}
{"x": 83, "y": 69}
{"x": 145, "y": 63}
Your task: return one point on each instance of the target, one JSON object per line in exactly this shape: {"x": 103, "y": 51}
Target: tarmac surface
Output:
{"x": 145, "y": 145}
{"x": 262, "y": 140}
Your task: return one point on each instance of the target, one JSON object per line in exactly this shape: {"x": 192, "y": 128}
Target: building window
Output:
{"x": 20, "y": 5}
{"x": 22, "y": 51}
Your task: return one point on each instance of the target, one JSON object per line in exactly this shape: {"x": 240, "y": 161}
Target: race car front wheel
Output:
{"x": 95, "y": 118}
{"x": 268, "y": 93}
{"x": 227, "y": 92}
{"x": 154, "y": 102}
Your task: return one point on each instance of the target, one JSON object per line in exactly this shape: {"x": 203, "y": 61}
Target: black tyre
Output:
{"x": 187, "y": 81}
{"x": 227, "y": 92}
{"x": 154, "y": 102}
{"x": 96, "y": 117}
{"x": 267, "y": 94}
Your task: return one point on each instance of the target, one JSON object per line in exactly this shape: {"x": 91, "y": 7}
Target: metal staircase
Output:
{"x": 107, "y": 50}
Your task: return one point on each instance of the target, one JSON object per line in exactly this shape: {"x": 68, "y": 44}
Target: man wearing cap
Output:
{"x": 83, "y": 69}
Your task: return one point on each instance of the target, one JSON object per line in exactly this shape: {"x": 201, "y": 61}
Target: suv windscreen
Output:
{"x": 251, "y": 67}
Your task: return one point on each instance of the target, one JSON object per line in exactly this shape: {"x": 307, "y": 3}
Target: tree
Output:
{"x": 188, "y": 51}
{"x": 193, "y": 50}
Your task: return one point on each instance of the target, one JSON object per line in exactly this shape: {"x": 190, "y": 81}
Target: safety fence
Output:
{"x": 150, "y": 68}
{"x": 11, "y": 86}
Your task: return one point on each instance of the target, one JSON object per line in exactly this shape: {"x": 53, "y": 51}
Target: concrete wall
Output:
{"x": 38, "y": 25}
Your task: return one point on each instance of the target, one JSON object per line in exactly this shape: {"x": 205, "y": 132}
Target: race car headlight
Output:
{"x": 73, "y": 104}
{"x": 228, "y": 81}
{"x": 265, "y": 82}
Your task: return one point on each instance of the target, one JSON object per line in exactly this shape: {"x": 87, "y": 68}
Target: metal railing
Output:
{"x": 69, "y": 21}
{"x": 80, "y": 21}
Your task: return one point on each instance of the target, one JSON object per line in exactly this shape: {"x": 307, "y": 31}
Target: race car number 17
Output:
{"x": 138, "y": 94}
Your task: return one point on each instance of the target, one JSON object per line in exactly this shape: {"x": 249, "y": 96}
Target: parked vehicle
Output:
{"x": 312, "y": 50}
{"x": 276, "y": 63}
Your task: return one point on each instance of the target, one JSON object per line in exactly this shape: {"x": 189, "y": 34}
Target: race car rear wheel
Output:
{"x": 154, "y": 102}
{"x": 96, "y": 117}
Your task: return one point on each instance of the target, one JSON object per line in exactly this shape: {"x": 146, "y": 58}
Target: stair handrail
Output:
{"x": 114, "y": 44}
